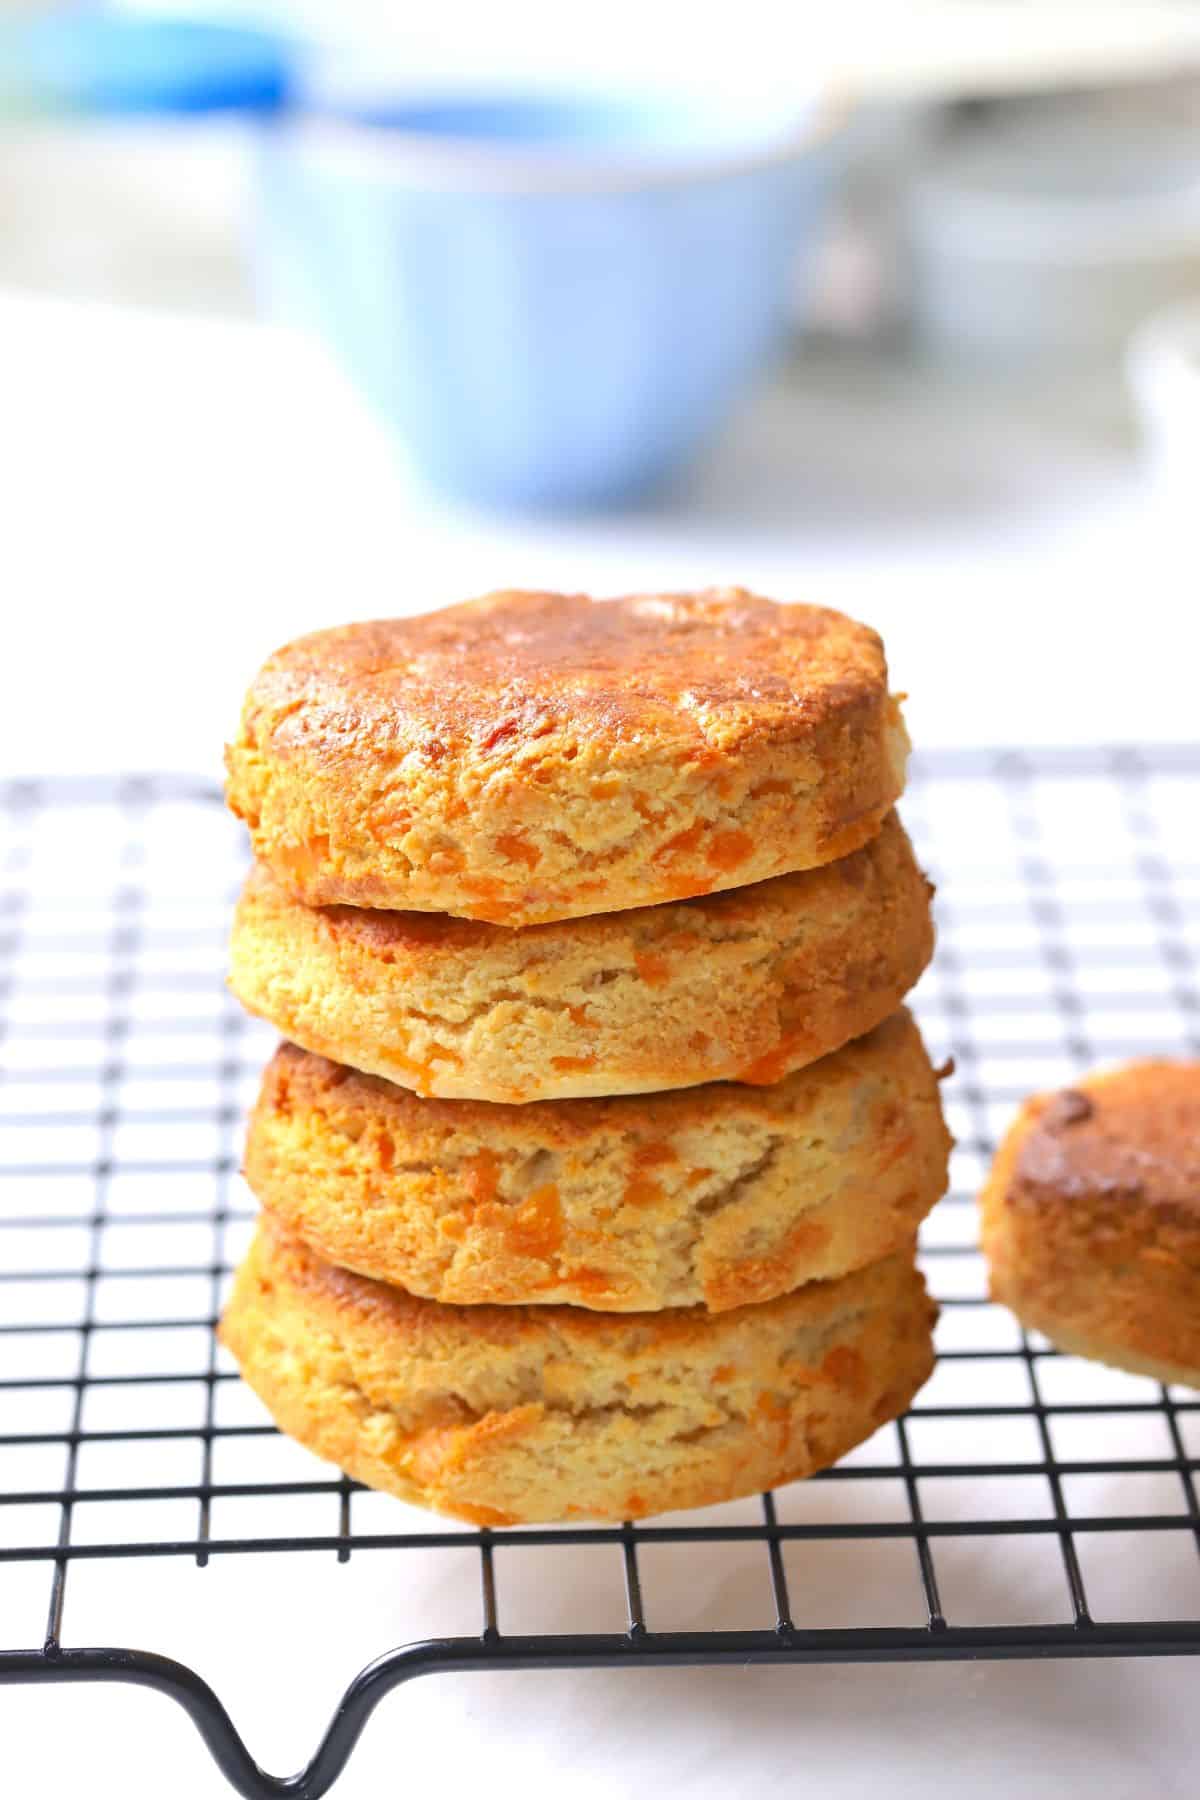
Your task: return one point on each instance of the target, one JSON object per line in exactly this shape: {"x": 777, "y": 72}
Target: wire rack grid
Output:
{"x": 1029, "y": 1505}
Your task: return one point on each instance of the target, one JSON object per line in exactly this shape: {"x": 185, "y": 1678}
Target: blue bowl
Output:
{"x": 557, "y": 301}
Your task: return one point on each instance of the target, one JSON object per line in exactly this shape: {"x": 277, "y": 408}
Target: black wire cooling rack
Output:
{"x": 1029, "y": 1505}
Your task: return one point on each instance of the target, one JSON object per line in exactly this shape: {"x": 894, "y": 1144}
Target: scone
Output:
{"x": 1091, "y": 1219}
{"x": 719, "y": 1196}
{"x": 528, "y": 757}
{"x": 744, "y": 986}
{"x": 507, "y": 1415}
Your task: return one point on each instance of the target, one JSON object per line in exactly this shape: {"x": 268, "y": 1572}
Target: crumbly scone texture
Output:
{"x": 744, "y": 986}
{"x": 507, "y": 1415}
{"x": 720, "y": 1196}
{"x": 1091, "y": 1218}
{"x": 530, "y": 756}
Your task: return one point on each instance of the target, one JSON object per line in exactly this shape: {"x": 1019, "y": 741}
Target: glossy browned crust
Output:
{"x": 528, "y": 757}
{"x": 506, "y": 1415}
{"x": 741, "y": 986}
{"x": 722, "y": 1195}
{"x": 1091, "y": 1218}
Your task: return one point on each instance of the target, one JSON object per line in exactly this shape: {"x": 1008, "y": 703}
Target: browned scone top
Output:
{"x": 504, "y": 1415}
{"x": 530, "y": 756}
{"x": 1091, "y": 1218}
{"x": 743, "y": 986}
{"x": 721, "y": 1195}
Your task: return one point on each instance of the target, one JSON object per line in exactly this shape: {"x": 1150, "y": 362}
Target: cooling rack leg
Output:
{"x": 713, "y": 1649}
{"x": 142, "y": 1668}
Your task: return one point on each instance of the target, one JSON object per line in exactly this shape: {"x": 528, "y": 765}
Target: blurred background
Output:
{"x": 347, "y": 308}
{"x": 313, "y": 309}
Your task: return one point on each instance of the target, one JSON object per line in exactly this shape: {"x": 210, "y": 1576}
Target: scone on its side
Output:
{"x": 744, "y": 986}
{"x": 719, "y": 1196}
{"x": 506, "y": 1415}
{"x": 1091, "y": 1219}
{"x": 528, "y": 756}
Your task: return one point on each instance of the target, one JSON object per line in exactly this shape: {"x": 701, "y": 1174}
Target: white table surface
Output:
{"x": 180, "y": 497}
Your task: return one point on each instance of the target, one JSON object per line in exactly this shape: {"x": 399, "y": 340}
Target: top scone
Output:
{"x": 529, "y": 757}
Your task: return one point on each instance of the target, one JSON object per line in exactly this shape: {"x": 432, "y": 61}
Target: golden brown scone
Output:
{"x": 507, "y": 1415}
{"x": 743, "y": 986}
{"x": 1091, "y": 1219}
{"x": 528, "y": 757}
{"x": 720, "y": 1195}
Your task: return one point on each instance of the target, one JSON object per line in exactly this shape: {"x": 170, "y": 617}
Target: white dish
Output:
{"x": 1163, "y": 370}
{"x": 1053, "y": 240}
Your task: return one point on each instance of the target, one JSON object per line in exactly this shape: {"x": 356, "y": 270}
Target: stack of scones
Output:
{"x": 592, "y": 1166}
